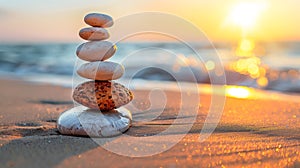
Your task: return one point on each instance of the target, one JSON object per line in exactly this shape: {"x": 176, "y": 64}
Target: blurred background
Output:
{"x": 257, "y": 41}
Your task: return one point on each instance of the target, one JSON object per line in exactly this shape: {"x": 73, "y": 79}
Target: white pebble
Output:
{"x": 96, "y": 50}
{"x": 81, "y": 121}
{"x": 101, "y": 70}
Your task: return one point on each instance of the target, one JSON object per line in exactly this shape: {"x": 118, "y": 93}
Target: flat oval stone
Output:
{"x": 101, "y": 70}
{"x": 93, "y": 33}
{"x": 96, "y": 50}
{"x": 98, "y": 20}
{"x": 81, "y": 121}
{"x": 102, "y": 95}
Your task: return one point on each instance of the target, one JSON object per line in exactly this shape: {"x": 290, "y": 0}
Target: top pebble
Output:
{"x": 98, "y": 20}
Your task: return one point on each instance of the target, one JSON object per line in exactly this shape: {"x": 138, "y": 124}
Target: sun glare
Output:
{"x": 238, "y": 91}
{"x": 245, "y": 14}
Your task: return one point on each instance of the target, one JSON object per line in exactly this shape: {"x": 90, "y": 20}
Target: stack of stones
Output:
{"x": 100, "y": 113}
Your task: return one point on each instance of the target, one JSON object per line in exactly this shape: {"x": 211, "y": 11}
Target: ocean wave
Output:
{"x": 56, "y": 60}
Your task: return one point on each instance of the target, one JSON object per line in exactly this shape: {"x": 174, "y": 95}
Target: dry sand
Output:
{"x": 252, "y": 132}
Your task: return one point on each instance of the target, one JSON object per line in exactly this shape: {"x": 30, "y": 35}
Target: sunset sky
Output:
{"x": 221, "y": 20}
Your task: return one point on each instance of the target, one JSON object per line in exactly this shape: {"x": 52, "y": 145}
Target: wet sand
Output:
{"x": 262, "y": 132}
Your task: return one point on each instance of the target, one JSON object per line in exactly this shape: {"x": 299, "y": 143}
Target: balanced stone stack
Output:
{"x": 100, "y": 113}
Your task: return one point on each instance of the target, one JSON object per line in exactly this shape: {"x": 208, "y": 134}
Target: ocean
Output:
{"x": 269, "y": 66}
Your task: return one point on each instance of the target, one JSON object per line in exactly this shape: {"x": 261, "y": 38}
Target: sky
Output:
{"x": 220, "y": 20}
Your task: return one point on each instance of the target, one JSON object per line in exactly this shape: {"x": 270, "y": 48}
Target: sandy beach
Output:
{"x": 153, "y": 84}
{"x": 260, "y": 132}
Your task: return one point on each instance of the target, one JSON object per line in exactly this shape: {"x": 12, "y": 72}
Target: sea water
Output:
{"x": 279, "y": 63}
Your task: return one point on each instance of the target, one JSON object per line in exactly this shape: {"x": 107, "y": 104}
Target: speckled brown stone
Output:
{"x": 102, "y": 95}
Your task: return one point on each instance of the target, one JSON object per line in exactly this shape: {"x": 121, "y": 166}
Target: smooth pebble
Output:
{"x": 93, "y": 33}
{"x": 81, "y": 121}
{"x": 96, "y": 50}
{"x": 98, "y": 20}
{"x": 101, "y": 70}
{"x": 102, "y": 95}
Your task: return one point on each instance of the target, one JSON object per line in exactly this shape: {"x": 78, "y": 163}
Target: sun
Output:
{"x": 245, "y": 14}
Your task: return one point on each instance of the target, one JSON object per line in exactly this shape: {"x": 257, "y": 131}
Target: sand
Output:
{"x": 253, "y": 132}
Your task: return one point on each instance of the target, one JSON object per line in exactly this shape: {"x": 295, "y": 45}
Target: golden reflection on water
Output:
{"x": 210, "y": 65}
{"x": 249, "y": 61}
{"x": 245, "y": 48}
{"x": 238, "y": 92}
